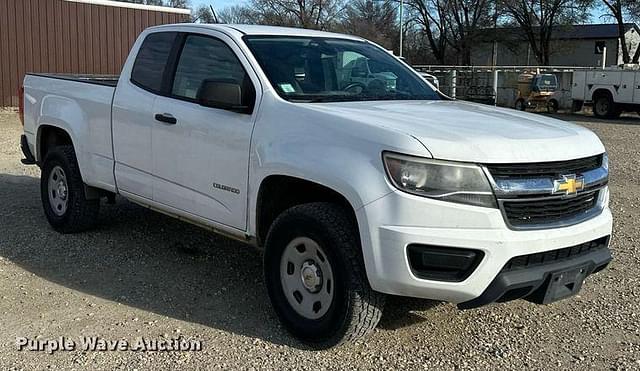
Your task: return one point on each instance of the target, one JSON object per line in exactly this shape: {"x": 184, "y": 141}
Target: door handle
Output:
{"x": 166, "y": 118}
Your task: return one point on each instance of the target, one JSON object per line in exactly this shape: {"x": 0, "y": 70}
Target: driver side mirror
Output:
{"x": 222, "y": 94}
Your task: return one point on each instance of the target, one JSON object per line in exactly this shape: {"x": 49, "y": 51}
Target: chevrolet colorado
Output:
{"x": 355, "y": 175}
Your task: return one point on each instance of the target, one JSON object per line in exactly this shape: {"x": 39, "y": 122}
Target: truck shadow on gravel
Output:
{"x": 149, "y": 261}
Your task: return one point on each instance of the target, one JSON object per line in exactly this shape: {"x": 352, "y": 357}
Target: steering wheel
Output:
{"x": 354, "y": 88}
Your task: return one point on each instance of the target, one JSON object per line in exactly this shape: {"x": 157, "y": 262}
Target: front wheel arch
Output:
{"x": 278, "y": 193}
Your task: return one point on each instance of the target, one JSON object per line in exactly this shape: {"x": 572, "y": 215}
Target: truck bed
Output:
{"x": 81, "y": 106}
{"x": 107, "y": 80}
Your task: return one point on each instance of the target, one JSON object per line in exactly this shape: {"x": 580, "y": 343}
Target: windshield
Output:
{"x": 313, "y": 69}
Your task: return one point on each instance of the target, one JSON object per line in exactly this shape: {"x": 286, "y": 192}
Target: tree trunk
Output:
{"x": 621, "y": 36}
{"x": 636, "y": 55}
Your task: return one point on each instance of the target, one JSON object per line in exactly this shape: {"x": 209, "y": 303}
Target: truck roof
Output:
{"x": 244, "y": 29}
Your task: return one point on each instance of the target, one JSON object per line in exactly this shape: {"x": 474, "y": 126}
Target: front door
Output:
{"x": 201, "y": 154}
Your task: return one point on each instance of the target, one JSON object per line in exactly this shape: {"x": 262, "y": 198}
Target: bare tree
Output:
{"x": 466, "y": 19}
{"x": 373, "y": 20}
{"x": 619, "y": 10}
{"x": 170, "y": 3}
{"x": 316, "y": 14}
{"x": 452, "y": 23}
{"x": 615, "y": 6}
{"x": 177, "y": 3}
{"x": 203, "y": 14}
{"x": 431, "y": 18}
{"x": 238, "y": 14}
{"x": 538, "y": 18}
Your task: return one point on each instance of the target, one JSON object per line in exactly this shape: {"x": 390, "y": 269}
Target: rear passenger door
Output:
{"x": 201, "y": 156}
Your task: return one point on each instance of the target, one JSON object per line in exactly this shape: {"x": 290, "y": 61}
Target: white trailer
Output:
{"x": 609, "y": 91}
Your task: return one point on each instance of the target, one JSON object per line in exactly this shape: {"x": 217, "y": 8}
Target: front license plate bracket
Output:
{"x": 565, "y": 283}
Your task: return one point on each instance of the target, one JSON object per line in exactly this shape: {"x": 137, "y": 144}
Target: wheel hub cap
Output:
{"x": 62, "y": 190}
{"x": 58, "y": 191}
{"x": 311, "y": 276}
{"x": 306, "y": 277}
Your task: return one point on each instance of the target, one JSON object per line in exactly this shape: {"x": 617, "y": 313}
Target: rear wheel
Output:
{"x": 316, "y": 278}
{"x": 605, "y": 107}
{"x": 552, "y": 106}
{"x": 62, "y": 191}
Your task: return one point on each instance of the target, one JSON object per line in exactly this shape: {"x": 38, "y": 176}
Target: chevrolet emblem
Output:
{"x": 570, "y": 185}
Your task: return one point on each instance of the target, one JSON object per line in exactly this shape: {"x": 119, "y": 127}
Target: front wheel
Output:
{"x": 552, "y": 106}
{"x": 65, "y": 205}
{"x": 521, "y": 105}
{"x": 315, "y": 276}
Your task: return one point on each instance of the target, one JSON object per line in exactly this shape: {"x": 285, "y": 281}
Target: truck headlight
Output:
{"x": 442, "y": 180}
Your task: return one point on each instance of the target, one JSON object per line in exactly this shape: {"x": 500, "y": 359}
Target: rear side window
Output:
{"x": 151, "y": 60}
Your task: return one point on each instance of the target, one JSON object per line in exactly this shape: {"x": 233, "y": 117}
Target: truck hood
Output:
{"x": 464, "y": 131}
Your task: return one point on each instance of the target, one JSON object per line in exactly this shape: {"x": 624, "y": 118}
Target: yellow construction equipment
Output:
{"x": 536, "y": 90}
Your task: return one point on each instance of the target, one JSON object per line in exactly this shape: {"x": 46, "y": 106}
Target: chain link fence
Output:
{"x": 497, "y": 85}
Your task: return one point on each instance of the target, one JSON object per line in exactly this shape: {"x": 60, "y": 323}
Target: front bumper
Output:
{"x": 532, "y": 280}
{"x": 391, "y": 223}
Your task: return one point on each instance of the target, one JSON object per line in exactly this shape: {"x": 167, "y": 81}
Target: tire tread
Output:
{"x": 83, "y": 212}
{"x": 366, "y": 305}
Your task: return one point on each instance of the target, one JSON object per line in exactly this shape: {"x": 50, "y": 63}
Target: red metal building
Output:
{"x": 70, "y": 36}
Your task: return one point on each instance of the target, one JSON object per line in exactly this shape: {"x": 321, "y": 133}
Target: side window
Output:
{"x": 205, "y": 58}
{"x": 151, "y": 61}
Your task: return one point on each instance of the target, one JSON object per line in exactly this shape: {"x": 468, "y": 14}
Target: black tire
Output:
{"x": 355, "y": 309}
{"x": 576, "y": 106}
{"x": 80, "y": 214}
{"x": 604, "y": 107}
{"x": 552, "y": 106}
{"x": 521, "y": 105}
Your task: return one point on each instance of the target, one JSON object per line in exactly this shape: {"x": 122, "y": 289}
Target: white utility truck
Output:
{"x": 356, "y": 182}
{"x": 608, "y": 91}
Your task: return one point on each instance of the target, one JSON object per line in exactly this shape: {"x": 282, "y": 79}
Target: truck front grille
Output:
{"x": 548, "y": 210}
{"x": 532, "y": 206}
{"x": 545, "y": 169}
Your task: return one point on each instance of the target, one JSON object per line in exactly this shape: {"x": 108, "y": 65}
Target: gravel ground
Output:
{"x": 142, "y": 274}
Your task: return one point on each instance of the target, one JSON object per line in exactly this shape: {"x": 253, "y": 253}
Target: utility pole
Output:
{"x": 401, "y": 25}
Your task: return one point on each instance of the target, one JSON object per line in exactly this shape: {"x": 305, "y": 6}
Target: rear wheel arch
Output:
{"x": 50, "y": 136}
{"x": 601, "y": 92}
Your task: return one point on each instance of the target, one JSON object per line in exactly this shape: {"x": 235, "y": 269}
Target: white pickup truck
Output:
{"x": 609, "y": 92}
{"x": 356, "y": 182}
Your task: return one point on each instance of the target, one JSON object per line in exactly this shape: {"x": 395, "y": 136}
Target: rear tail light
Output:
{"x": 21, "y": 104}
